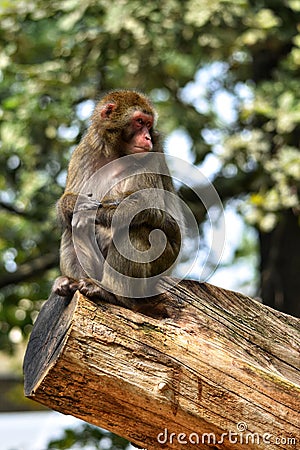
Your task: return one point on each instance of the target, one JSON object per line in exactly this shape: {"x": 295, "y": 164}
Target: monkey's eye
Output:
{"x": 142, "y": 122}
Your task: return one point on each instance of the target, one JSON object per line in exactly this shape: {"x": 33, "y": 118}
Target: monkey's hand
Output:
{"x": 86, "y": 203}
{"x": 65, "y": 286}
{"x": 71, "y": 203}
{"x": 106, "y": 211}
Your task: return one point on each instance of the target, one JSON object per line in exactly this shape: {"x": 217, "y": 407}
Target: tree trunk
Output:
{"x": 280, "y": 265}
{"x": 221, "y": 371}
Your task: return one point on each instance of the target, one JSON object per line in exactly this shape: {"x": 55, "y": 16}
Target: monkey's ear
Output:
{"x": 107, "y": 109}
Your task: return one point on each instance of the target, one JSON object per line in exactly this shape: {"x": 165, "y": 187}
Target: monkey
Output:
{"x": 119, "y": 195}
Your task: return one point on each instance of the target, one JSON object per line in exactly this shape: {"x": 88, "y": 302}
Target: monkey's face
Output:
{"x": 137, "y": 134}
{"x": 124, "y": 122}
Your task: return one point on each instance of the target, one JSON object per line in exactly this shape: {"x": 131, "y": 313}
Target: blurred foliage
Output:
{"x": 88, "y": 436}
{"x": 224, "y": 72}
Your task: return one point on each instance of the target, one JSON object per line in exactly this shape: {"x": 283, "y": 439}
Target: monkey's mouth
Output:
{"x": 142, "y": 149}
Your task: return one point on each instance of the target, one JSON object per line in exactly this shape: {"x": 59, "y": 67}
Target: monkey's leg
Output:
{"x": 71, "y": 270}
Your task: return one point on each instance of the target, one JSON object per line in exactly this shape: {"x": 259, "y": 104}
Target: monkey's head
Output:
{"x": 124, "y": 122}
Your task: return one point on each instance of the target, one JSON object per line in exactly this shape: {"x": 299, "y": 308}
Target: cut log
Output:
{"x": 221, "y": 371}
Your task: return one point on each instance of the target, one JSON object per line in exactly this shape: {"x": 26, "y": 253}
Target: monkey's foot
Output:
{"x": 89, "y": 288}
{"x": 65, "y": 286}
{"x": 92, "y": 290}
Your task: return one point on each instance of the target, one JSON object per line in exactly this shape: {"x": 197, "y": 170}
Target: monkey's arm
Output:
{"x": 70, "y": 203}
{"x": 134, "y": 212}
{"x": 65, "y": 207}
{"x": 125, "y": 217}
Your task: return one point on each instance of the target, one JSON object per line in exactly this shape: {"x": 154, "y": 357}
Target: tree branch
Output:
{"x": 30, "y": 269}
{"x": 219, "y": 365}
{"x": 12, "y": 209}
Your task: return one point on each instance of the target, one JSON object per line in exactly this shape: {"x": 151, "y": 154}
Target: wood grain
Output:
{"x": 222, "y": 371}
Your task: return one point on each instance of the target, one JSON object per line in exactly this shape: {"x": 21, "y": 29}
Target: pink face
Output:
{"x": 140, "y": 127}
